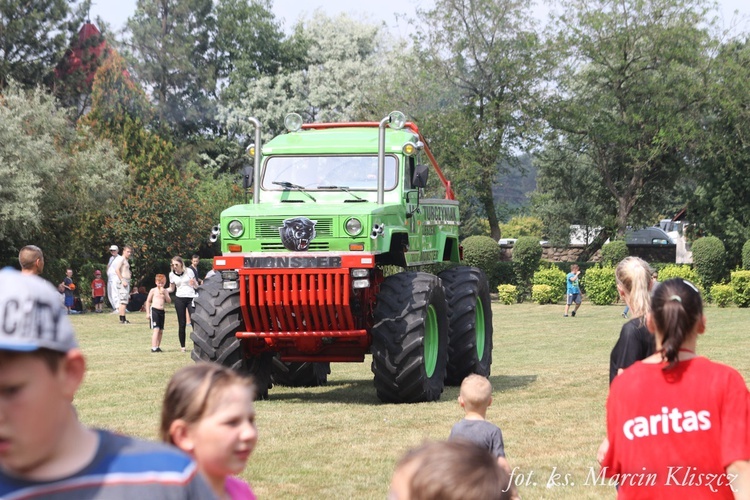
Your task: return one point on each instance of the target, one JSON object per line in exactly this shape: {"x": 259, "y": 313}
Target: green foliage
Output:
{"x": 507, "y": 294}
{"x": 527, "y": 252}
{"x": 554, "y": 278}
{"x": 482, "y": 252}
{"x": 33, "y": 35}
{"x": 484, "y": 55}
{"x": 719, "y": 192}
{"x": 600, "y": 284}
{"x": 741, "y": 287}
{"x": 709, "y": 260}
{"x": 614, "y": 252}
{"x": 680, "y": 271}
{"x": 522, "y": 226}
{"x": 746, "y": 255}
{"x": 56, "y": 182}
{"x": 722, "y": 295}
{"x": 625, "y": 110}
{"x": 172, "y": 55}
{"x": 505, "y": 272}
{"x": 543, "y": 294}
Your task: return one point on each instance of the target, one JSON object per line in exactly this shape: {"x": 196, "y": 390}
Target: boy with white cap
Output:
{"x": 45, "y": 451}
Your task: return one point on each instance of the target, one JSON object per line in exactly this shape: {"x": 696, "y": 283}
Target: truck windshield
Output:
{"x": 321, "y": 172}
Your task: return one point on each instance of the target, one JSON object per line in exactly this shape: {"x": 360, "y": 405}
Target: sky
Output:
{"x": 392, "y": 12}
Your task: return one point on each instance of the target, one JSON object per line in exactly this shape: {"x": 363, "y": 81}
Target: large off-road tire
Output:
{"x": 410, "y": 339}
{"x": 470, "y": 323}
{"x": 216, "y": 320}
{"x": 301, "y": 374}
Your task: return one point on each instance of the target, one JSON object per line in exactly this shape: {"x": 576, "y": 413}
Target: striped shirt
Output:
{"x": 122, "y": 469}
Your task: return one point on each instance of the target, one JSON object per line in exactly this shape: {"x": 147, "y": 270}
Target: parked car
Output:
{"x": 648, "y": 236}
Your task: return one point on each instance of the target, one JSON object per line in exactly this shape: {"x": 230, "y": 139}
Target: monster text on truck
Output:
{"x": 300, "y": 282}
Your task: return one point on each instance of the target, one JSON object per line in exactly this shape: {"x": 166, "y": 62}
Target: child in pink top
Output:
{"x": 208, "y": 412}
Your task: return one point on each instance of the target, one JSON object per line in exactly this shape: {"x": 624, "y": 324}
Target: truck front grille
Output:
{"x": 269, "y": 228}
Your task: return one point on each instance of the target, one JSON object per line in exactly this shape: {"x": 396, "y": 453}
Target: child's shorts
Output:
{"x": 97, "y": 300}
{"x": 157, "y": 318}
{"x": 574, "y": 297}
{"x": 69, "y": 301}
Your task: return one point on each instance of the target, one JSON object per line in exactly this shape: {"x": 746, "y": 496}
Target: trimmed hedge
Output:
{"x": 681, "y": 271}
{"x": 552, "y": 277}
{"x": 527, "y": 252}
{"x": 543, "y": 294}
{"x": 741, "y": 288}
{"x": 482, "y": 252}
{"x": 601, "y": 287}
{"x": 709, "y": 260}
{"x": 746, "y": 255}
{"x": 614, "y": 252}
{"x": 507, "y": 294}
{"x": 721, "y": 295}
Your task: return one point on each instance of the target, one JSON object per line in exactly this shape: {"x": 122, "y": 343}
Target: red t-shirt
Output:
{"x": 673, "y": 433}
{"x": 98, "y": 287}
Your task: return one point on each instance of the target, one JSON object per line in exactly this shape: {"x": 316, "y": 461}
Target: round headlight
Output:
{"x": 236, "y": 228}
{"x": 293, "y": 122}
{"x": 397, "y": 120}
{"x": 353, "y": 227}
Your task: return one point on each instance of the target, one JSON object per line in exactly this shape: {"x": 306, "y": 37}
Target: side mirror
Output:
{"x": 247, "y": 177}
{"x": 420, "y": 176}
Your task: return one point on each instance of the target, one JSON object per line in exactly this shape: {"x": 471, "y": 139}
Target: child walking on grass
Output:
{"x": 154, "y": 306}
{"x": 475, "y": 397}
{"x": 208, "y": 412}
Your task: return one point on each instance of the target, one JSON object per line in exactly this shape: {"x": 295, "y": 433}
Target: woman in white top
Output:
{"x": 182, "y": 281}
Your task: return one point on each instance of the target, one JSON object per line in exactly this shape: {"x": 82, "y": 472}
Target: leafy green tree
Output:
{"x": 249, "y": 43}
{"x": 341, "y": 63}
{"x": 487, "y": 54}
{"x": 33, "y": 36}
{"x": 628, "y": 99}
{"x": 171, "y": 53}
{"x": 718, "y": 196}
{"x": 522, "y": 226}
{"x": 55, "y": 180}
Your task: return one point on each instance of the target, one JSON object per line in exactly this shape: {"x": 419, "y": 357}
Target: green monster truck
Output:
{"x": 300, "y": 281}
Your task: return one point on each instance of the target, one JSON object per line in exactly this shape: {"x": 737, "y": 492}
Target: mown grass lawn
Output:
{"x": 549, "y": 374}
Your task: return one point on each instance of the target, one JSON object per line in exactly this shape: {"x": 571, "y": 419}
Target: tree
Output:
{"x": 249, "y": 43}
{"x": 342, "y": 62}
{"x": 629, "y": 98}
{"x": 720, "y": 189}
{"x": 487, "y": 54}
{"x": 55, "y": 180}
{"x": 33, "y": 35}
{"x": 170, "y": 50}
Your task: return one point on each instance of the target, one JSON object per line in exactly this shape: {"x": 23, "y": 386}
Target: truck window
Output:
{"x": 358, "y": 172}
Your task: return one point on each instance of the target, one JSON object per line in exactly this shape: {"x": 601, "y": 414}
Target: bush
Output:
{"x": 522, "y": 226}
{"x": 508, "y": 294}
{"x": 709, "y": 260}
{"x": 721, "y": 295}
{"x": 543, "y": 294}
{"x": 614, "y": 252}
{"x": 601, "y": 287}
{"x": 482, "y": 252}
{"x": 552, "y": 277}
{"x": 505, "y": 273}
{"x": 746, "y": 255}
{"x": 527, "y": 252}
{"x": 680, "y": 271}
{"x": 741, "y": 288}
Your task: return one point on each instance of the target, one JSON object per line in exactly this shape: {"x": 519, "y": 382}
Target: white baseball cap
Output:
{"x": 33, "y": 317}
{"x": 113, "y": 247}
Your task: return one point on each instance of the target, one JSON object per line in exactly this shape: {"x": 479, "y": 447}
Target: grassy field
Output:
{"x": 549, "y": 375}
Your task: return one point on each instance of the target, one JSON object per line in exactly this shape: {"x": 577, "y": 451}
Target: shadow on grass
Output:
{"x": 356, "y": 391}
{"x": 505, "y": 382}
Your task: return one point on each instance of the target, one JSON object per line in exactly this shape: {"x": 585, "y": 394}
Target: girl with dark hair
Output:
{"x": 183, "y": 283}
{"x": 678, "y": 424}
